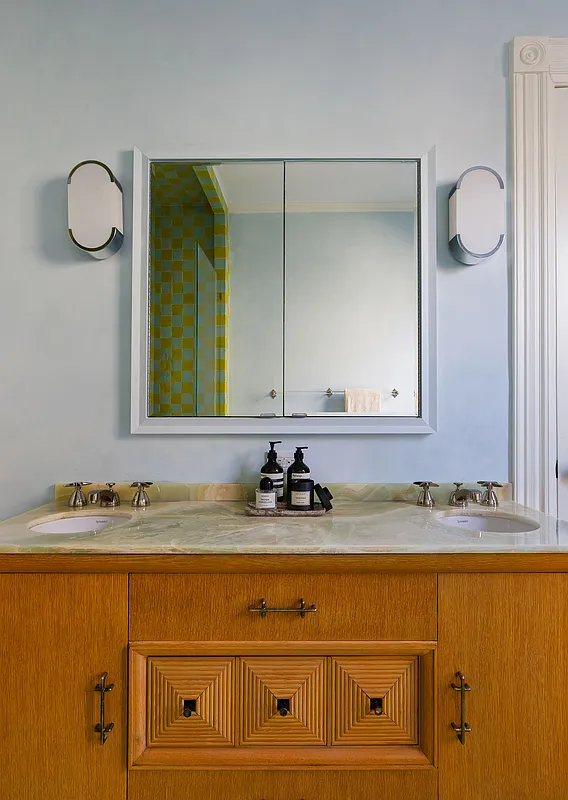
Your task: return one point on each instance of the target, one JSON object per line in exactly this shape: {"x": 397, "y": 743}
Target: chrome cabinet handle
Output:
{"x": 101, "y": 728}
{"x": 263, "y": 609}
{"x": 463, "y": 728}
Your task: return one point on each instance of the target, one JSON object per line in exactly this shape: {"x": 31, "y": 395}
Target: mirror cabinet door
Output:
{"x": 216, "y": 289}
{"x": 284, "y": 288}
{"x": 352, "y": 287}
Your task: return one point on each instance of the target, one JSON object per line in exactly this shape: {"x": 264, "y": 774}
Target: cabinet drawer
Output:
{"x": 216, "y": 607}
{"x": 278, "y": 785}
{"x": 375, "y": 700}
{"x": 323, "y": 705}
{"x": 283, "y": 701}
{"x": 191, "y": 702}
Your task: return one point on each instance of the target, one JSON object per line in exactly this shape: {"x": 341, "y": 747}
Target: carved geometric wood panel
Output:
{"x": 206, "y": 681}
{"x": 299, "y": 685}
{"x": 388, "y": 682}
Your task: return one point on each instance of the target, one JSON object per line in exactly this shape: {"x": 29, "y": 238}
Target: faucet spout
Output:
{"x": 461, "y": 498}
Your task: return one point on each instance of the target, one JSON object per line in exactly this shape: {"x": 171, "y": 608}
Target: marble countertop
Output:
{"x": 221, "y": 527}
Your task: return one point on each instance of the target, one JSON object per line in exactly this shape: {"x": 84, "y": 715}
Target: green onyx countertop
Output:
{"x": 362, "y": 521}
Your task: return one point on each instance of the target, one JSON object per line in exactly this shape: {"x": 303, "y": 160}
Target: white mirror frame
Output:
{"x": 142, "y": 423}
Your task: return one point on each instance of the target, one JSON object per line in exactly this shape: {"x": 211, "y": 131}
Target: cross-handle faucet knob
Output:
{"x": 141, "y": 499}
{"x": 77, "y": 499}
{"x": 489, "y": 497}
{"x": 425, "y": 497}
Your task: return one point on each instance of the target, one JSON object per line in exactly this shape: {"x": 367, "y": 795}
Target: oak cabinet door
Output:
{"x": 508, "y": 635}
{"x": 58, "y": 635}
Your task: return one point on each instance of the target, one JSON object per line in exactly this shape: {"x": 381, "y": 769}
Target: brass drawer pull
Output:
{"x": 263, "y": 609}
{"x": 101, "y": 728}
{"x": 463, "y": 728}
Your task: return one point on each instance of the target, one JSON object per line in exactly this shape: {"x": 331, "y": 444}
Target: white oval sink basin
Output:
{"x": 80, "y": 524}
{"x": 490, "y": 523}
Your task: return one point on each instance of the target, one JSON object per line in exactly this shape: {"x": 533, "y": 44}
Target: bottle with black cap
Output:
{"x": 265, "y": 496}
{"x": 274, "y": 471}
{"x": 297, "y": 471}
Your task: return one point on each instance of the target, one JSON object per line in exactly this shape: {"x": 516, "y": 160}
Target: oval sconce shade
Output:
{"x": 477, "y": 215}
{"x": 94, "y": 199}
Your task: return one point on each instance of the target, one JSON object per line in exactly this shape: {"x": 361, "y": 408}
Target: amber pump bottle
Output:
{"x": 274, "y": 471}
{"x": 297, "y": 470}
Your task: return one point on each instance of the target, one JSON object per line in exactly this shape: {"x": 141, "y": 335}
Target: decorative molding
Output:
{"x": 393, "y": 681}
{"x": 538, "y": 66}
{"x": 300, "y": 682}
{"x": 208, "y": 683}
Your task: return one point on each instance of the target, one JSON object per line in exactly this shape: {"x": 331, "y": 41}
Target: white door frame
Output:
{"x": 539, "y": 65}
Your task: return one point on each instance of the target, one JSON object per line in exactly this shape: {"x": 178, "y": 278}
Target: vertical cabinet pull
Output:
{"x": 101, "y": 728}
{"x": 463, "y": 728}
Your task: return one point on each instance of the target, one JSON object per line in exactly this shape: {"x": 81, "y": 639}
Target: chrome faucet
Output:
{"x": 489, "y": 497}
{"x": 425, "y": 498}
{"x": 141, "y": 499}
{"x": 106, "y": 498}
{"x": 77, "y": 499}
{"x": 459, "y": 498}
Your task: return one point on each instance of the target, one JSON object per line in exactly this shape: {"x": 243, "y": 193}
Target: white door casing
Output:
{"x": 560, "y": 128}
{"x": 539, "y": 65}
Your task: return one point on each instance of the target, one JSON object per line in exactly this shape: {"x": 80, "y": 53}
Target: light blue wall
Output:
{"x": 325, "y": 78}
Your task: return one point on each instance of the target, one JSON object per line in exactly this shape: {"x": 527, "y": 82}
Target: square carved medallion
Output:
{"x": 375, "y": 700}
{"x": 283, "y": 701}
{"x": 190, "y": 702}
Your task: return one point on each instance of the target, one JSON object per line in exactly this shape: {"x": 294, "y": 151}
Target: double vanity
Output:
{"x": 186, "y": 651}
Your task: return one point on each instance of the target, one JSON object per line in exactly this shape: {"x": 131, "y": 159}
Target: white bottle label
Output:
{"x": 300, "y": 476}
{"x": 265, "y": 499}
{"x": 300, "y": 499}
{"x": 277, "y": 479}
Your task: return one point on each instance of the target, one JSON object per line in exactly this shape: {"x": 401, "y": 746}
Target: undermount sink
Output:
{"x": 490, "y": 523}
{"x": 80, "y": 523}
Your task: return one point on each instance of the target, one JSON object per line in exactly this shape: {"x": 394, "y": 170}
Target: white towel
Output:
{"x": 367, "y": 400}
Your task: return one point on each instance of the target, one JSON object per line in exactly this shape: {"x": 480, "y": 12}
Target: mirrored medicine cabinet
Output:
{"x": 283, "y": 296}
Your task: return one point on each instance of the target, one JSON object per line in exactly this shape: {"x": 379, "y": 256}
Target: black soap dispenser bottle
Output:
{"x": 297, "y": 471}
{"x": 274, "y": 471}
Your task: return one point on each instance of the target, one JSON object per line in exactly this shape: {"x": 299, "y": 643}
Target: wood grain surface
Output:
{"x": 216, "y": 607}
{"x": 299, "y": 785}
{"x": 333, "y": 563}
{"x": 58, "y": 634}
{"x": 508, "y": 634}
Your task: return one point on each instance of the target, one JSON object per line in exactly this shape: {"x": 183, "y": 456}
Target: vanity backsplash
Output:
{"x": 372, "y": 492}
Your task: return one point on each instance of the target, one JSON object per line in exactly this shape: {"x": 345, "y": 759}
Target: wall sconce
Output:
{"x": 94, "y": 200}
{"x": 477, "y": 215}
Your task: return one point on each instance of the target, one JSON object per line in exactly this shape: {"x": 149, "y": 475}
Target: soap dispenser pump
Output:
{"x": 297, "y": 471}
{"x": 274, "y": 471}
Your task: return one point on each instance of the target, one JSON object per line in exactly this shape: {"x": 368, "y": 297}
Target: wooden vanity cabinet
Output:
{"x": 58, "y": 635}
{"x": 208, "y": 677}
{"x": 508, "y": 634}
